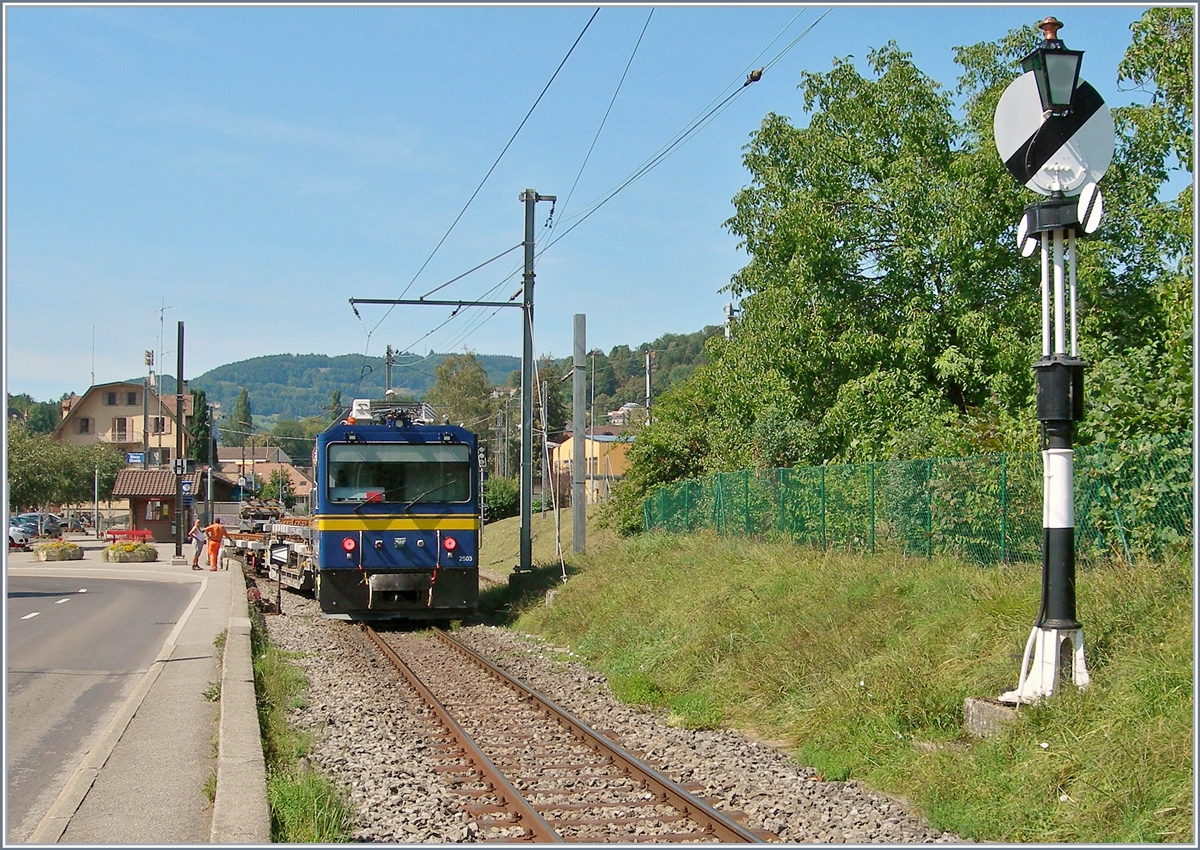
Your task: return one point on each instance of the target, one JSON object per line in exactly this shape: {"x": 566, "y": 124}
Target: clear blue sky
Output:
{"x": 251, "y": 168}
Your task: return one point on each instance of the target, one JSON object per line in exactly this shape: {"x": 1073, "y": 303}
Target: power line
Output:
{"x": 604, "y": 120}
{"x": 692, "y": 128}
{"x": 494, "y": 164}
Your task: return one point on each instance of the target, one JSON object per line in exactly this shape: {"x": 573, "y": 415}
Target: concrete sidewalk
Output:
{"x": 148, "y": 777}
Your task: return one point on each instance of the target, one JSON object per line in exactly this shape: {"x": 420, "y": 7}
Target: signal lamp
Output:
{"x": 450, "y": 543}
{"x": 348, "y": 544}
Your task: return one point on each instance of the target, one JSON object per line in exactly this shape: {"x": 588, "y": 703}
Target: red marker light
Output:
{"x": 450, "y": 543}
{"x": 348, "y": 544}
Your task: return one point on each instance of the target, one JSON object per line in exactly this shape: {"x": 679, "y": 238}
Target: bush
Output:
{"x": 502, "y": 498}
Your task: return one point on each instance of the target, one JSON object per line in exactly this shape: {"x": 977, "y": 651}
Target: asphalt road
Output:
{"x": 76, "y": 648}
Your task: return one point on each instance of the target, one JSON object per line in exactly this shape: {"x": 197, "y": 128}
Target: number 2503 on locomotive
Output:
{"x": 396, "y": 518}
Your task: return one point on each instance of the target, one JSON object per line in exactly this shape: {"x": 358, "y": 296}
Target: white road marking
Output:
{"x": 60, "y": 601}
{"x": 82, "y": 590}
{"x": 31, "y": 616}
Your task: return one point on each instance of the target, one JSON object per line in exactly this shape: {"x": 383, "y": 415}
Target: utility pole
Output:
{"x": 148, "y": 357}
{"x": 387, "y": 362}
{"x": 545, "y": 448}
{"x": 578, "y": 499}
{"x": 530, "y": 199}
{"x": 180, "y": 464}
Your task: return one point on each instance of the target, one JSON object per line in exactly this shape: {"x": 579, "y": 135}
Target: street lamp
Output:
{"x": 1055, "y": 68}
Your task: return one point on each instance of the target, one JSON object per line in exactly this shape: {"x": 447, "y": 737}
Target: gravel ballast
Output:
{"x": 371, "y": 745}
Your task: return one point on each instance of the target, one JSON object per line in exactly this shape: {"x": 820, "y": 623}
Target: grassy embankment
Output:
{"x": 860, "y": 666}
{"x": 306, "y": 805}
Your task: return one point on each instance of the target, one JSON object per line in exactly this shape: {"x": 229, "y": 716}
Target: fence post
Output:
{"x": 1004, "y": 507}
{"x": 872, "y": 468}
{"x": 824, "y": 541}
{"x": 782, "y": 500}
{"x": 719, "y": 506}
{"x": 929, "y": 508}
{"x": 746, "y": 502}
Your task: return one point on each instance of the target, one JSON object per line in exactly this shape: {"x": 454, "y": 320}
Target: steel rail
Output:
{"x": 712, "y": 820}
{"x": 535, "y": 826}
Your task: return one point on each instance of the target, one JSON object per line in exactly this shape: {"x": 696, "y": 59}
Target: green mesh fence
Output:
{"x": 1132, "y": 500}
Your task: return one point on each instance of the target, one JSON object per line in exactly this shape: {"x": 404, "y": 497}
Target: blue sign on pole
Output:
{"x": 135, "y": 457}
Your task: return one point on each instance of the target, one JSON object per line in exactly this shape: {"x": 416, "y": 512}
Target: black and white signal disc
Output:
{"x": 1057, "y": 152}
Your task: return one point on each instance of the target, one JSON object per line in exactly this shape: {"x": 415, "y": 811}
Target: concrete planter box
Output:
{"x": 58, "y": 553}
{"x": 141, "y": 554}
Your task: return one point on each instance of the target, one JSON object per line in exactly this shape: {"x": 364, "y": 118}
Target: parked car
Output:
{"x": 18, "y": 538}
{"x": 44, "y": 525}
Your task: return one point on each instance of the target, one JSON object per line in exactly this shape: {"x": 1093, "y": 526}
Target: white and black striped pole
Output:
{"x": 1056, "y": 137}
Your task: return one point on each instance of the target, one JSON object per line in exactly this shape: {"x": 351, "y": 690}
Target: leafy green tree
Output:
{"x": 335, "y": 405}
{"x": 240, "y": 424}
{"x": 43, "y": 417}
{"x": 462, "y": 391}
{"x": 279, "y": 488}
{"x": 200, "y": 429}
{"x": 296, "y": 438}
{"x": 886, "y": 311}
{"x": 42, "y": 473}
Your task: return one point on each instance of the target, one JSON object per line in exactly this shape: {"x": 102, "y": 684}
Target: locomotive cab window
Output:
{"x": 382, "y": 472}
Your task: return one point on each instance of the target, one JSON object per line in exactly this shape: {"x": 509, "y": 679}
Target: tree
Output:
{"x": 43, "y": 473}
{"x": 43, "y": 417}
{"x": 240, "y": 422}
{"x": 335, "y": 405}
{"x": 200, "y": 429}
{"x": 886, "y": 311}
{"x": 279, "y": 488}
{"x": 462, "y": 392}
{"x": 296, "y": 438}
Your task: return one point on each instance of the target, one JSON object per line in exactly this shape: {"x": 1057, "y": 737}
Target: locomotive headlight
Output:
{"x": 348, "y": 544}
{"x": 450, "y": 543}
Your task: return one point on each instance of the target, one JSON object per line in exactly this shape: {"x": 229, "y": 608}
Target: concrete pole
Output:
{"x": 578, "y": 468}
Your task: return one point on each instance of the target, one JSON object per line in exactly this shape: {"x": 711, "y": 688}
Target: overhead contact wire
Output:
{"x": 478, "y": 188}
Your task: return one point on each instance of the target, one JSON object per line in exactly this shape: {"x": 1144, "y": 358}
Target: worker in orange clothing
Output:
{"x": 215, "y": 534}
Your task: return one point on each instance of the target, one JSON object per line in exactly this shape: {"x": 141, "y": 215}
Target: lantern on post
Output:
{"x": 1055, "y": 68}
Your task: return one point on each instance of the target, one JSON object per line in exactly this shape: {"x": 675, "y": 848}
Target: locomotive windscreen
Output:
{"x": 389, "y": 472}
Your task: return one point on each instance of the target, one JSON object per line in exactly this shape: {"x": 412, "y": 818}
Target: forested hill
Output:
{"x": 293, "y": 386}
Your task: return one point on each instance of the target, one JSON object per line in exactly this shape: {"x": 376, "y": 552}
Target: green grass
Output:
{"x": 861, "y": 664}
{"x": 306, "y": 806}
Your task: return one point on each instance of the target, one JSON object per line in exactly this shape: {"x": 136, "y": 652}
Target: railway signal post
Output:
{"x": 1055, "y": 136}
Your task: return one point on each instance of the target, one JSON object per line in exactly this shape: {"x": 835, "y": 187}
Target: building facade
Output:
{"x": 130, "y": 416}
{"x": 606, "y": 455}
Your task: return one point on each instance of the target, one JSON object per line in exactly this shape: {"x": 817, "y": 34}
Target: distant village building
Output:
{"x": 130, "y": 416}
{"x": 623, "y": 415}
{"x": 606, "y": 453}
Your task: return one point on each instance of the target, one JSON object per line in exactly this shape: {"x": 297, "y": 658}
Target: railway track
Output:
{"x": 529, "y": 771}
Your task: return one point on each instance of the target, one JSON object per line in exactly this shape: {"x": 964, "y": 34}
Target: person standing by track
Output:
{"x": 196, "y": 535}
{"x": 215, "y": 533}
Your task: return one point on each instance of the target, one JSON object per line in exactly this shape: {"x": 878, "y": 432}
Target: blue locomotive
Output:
{"x": 395, "y": 528}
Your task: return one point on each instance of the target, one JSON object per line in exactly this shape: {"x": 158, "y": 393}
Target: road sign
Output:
{"x": 135, "y": 457}
{"x": 1046, "y": 153}
{"x": 279, "y": 553}
{"x": 186, "y": 487}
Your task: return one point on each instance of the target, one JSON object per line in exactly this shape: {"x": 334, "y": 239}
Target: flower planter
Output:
{"x": 119, "y": 555}
{"x": 58, "y": 553}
